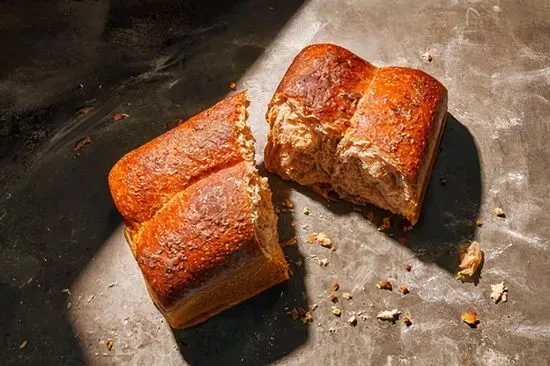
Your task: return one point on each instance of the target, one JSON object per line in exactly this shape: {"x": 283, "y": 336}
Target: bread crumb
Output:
{"x": 499, "y": 292}
{"x": 346, "y": 295}
{"x": 404, "y": 289}
{"x": 301, "y": 314}
{"x": 314, "y": 307}
{"x": 23, "y": 344}
{"x": 335, "y": 286}
{"x": 84, "y": 111}
{"x": 407, "y": 321}
{"x": 306, "y": 211}
{"x": 109, "y": 344}
{"x": 323, "y": 262}
{"x": 287, "y": 203}
{"x": 471, "y": 258}
{"x": 500, "y": 212}
{"x": 427, "y": 57}
{"x": 389, "y": 315}
{"x": 82, "y": 142}
{"x": 333, "y": 296}
{"x": 66, "y": 291}
{"x": 120, "y": 116}
{"x": 331, "y": 330}
{"x": 319, "y": 238}
{"x": 386, "y": 224}
{"x": 479, "y": 223}
{"x": 233, "y": 85}
{"x": 408, "y": 267}
{"x": 90, "y": 298}
{"x": 352, "y": 321}
{"x": 384, "y": 285}
{"x": 336, "y": 311}
{"x": 470, "y": 318}
{"x": 288, "y": 243}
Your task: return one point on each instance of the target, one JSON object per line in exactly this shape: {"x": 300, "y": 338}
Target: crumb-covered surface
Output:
{"x": 59, "y": 229}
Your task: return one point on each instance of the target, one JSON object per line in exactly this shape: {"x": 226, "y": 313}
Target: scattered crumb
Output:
{"x": 470, "y": 318}
{"x": 352, "y": 321}
{"x": 496, "y": 8}
{"x": 313, "y": 307}
{"x": 443, "y": 181}
{"x": 69, "y": 305}
{"x": 407, "y": 321}
{"x": 233, "y": 85}
{"x": 90, "y": 298}
{"x": 82, "y": 142}
{"x": 408, "y": 267}
{"x": 288, "y": 243}
{"x": 370, "y": 216}
{"x": 287, "y": 203}
{"x": 407, "y": 228}
{"x": 386, "y": 224}
{"x": 301, "y": 314}
{"x": 499, "y": 292}
{"x": 389, "y": 315}
{"x": 384, "y": 285}
{"x": 120, "y": 116}
{"x": 336, "y": 311}
{"x": 66, "y": 291}
{"x": 479, "y": 223}
{"x": 404, "y": 289}
{"x": 110, "y": 344}
{"x": 471, "y": 258}
{"x": 306, "y": 211}
{"x": 319, "y": 238}
{"x": 346, "y": 295}
{"x": 335, "y": 286}
{"x": 23, "y": 344}
{"x": 112, "y": 284}
{"x": 333, "y": 296}
{"x": 427, "y": 57}
{"x": 331, "y": 330}
{"x": 84, "y": 111}
{"x": 323, "y": 262}
{"x": 499, "y": 212}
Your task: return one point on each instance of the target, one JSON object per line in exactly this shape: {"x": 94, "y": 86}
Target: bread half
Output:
{"x": 366, "y": 134}
{"x": 210, "y": 240}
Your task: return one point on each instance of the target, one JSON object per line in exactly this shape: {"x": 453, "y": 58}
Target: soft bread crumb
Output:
{"x": 384, "y": 285}
{"x": 499, "y": 292}
{"x": 389, "y": 315}
{"x": 319, "y": 238}
{"x": 471, "y": 258}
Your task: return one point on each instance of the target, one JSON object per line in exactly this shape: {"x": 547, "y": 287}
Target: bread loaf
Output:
{"x": 347, "y": 128}
{"x": 198, "y": 216}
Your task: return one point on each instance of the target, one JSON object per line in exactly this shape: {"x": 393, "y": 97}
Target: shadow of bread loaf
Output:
{"x": 366, "y": 134}
{"x": 199, "y": 218}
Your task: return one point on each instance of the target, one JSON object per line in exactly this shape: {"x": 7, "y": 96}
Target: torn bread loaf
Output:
{"x": 199, "y": 217}
{"x": 345, "y": 127}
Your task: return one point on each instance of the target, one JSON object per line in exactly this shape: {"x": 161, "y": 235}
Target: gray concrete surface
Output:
{"x": 59, "y": 229}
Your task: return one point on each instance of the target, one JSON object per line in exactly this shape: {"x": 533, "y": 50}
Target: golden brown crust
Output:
{"x": 199, "y": 218}
{"x": 370, "y": 134}
{"x": 147, "y": 177}
{"x": 325, "y": 81}
{"x": 197, "y": 233}
{"x": 398, "y": 114}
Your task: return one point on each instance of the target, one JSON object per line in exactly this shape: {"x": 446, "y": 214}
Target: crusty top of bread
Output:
{"x": 397, "y": 115}
{"x": 395, "y": 109}
{"x": 197, "y": 235}
{"x": 325, "y": 81}
{"x": 147, "y": 177}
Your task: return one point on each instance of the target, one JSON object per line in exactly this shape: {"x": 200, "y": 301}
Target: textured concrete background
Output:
{"x": 59, "y": 229}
